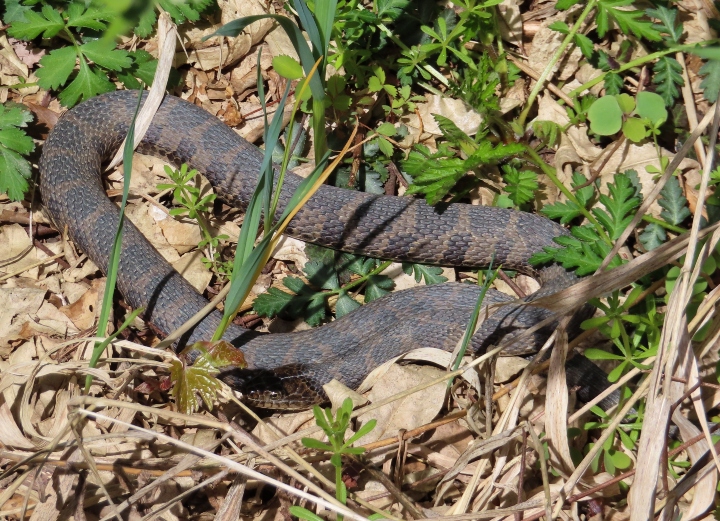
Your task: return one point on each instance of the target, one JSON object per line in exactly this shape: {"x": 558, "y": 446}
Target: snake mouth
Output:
{"x": 281, "y": 388}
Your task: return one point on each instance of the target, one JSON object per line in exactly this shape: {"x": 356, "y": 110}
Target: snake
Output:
{"x": 288, "y": 371}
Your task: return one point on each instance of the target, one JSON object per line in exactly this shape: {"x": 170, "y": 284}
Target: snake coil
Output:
{"x": 288, "y": 370}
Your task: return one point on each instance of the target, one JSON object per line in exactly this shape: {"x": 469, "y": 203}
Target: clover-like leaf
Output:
{"x": 652, "y": 107}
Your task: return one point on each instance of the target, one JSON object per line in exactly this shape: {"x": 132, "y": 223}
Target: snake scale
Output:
{"x": 288, "y": 370}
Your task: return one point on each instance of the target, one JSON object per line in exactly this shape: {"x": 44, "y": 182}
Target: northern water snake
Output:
{"x": 288, "y": 370}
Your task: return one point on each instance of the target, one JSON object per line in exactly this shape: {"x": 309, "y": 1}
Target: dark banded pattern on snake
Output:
{"x": 288, "y": 370}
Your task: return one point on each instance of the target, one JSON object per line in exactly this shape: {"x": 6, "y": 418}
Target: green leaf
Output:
{"x": 377, "y": 286}
{"x": 652, "y": 107}
{"x": 584, "y": 251}
{"x": 287, "y": 67}
{"x": 56, "y": 68}
{"x": 628, "y": 21}
{"x": 345, "y": 304}
{"x": 585, "y": 45}
{"x": 431, "y": 274}
{"x": 454, "y": 135}
{"x": 434, "y": 174}
{"x": 598, "y": 354}
{"x": 14, "y": 169}
{"x": 49, "y": 24}
{"x": 560, "y": 27}
{"x": 14, "y": 116}
{"x": 585, "y": 258}
{"x": 521, "y": 185}
{"x": 653, "y": 236}
{"x": 304, "y": 513}
{"x": 143, "y": 68}
{"x": 385, "y": 146}
{"x": 362, "y": 431}
{"x": 15, "y": 12}
{"x": 711, "y": 83}
{"x": 90, "y": 18}
{"x": 186, "y": 10}
{"x": 668, "y": 78}
{"x": 613, "y": 83}
{"x": 621, "y": 460}
{"x": 548, "y": 131}
{"x": 673, "y": 202}
{"x": 568, "y": 211}
{"x": 312, "y": 443}
{"x": 634, "y": 129}
{"x": 386, "y": 129}
{"x": 374, "y": 84}
{"x": 619, "y": 205}
{"x": 103, "y": 53}
{"x": 563, "y": 5}
{"x": 306, "y": 304}
{"x": 667, "y": 22}
{"x": 605, "y": 116}
{"x": 389, "y": 10}
{"x": 322, "y": 274}
{"x": 14, "y": 173}
{"x": 17, "y": 140}
{"x": 626, "y": 103}
{"x": 86, "y": 85}
{"x": 709, "y": 53}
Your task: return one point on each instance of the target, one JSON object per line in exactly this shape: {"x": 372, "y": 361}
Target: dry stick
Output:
{"x": 182, "y": 466}
{"x": 630, "y": 473}
{"x": 507, "y": 420}
{"x": 167, "y": 34}
{"x": 15, "y": 258}
{"x": 185, "y": 493}
{"x": 396, "y": 492}
{"x": 33, "y": 265}
{"x": 656, "y": 189}
{"x": 689, "y": 100}
{"x": 673, "y": 338}
{"x": 536, "y": 76}
{"x": 250, "y": 442}
{"x": 543, "y": 468}
{"x": 220, "y": 426}
{"x": 595, "y": 450}
{"x": 241, "y": 469}
{"x": 595, "y": 172}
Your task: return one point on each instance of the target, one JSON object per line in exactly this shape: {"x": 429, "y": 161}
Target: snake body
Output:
{"x": 288, "y": 370}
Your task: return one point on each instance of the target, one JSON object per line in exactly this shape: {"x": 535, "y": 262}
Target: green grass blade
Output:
{"x": 308, "y": 22}
{"x": 257, "y": 259}
{"x": 263, "y": 191}
{"x": 490, "y": 276}
{"x": 325, "y": 11}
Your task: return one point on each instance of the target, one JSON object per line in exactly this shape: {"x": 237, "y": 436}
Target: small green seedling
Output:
{"x": 192, "y": 203}
{"x": 334, "y": 428}
{"x": 638, "y": 118}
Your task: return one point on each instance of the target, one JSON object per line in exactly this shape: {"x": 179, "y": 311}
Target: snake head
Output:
{"x": 282, "y": 388}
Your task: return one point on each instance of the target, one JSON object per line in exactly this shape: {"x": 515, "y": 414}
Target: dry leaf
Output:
{"x": 409, "y": 412}
{"x": 16, "y": 251}
{"x": 184, "y": 236}
{"x": 82, "y": 311}
{"x": 291, "y": 250}
{"x": 545, "y": 44}
{"x": 191, "y": 267}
